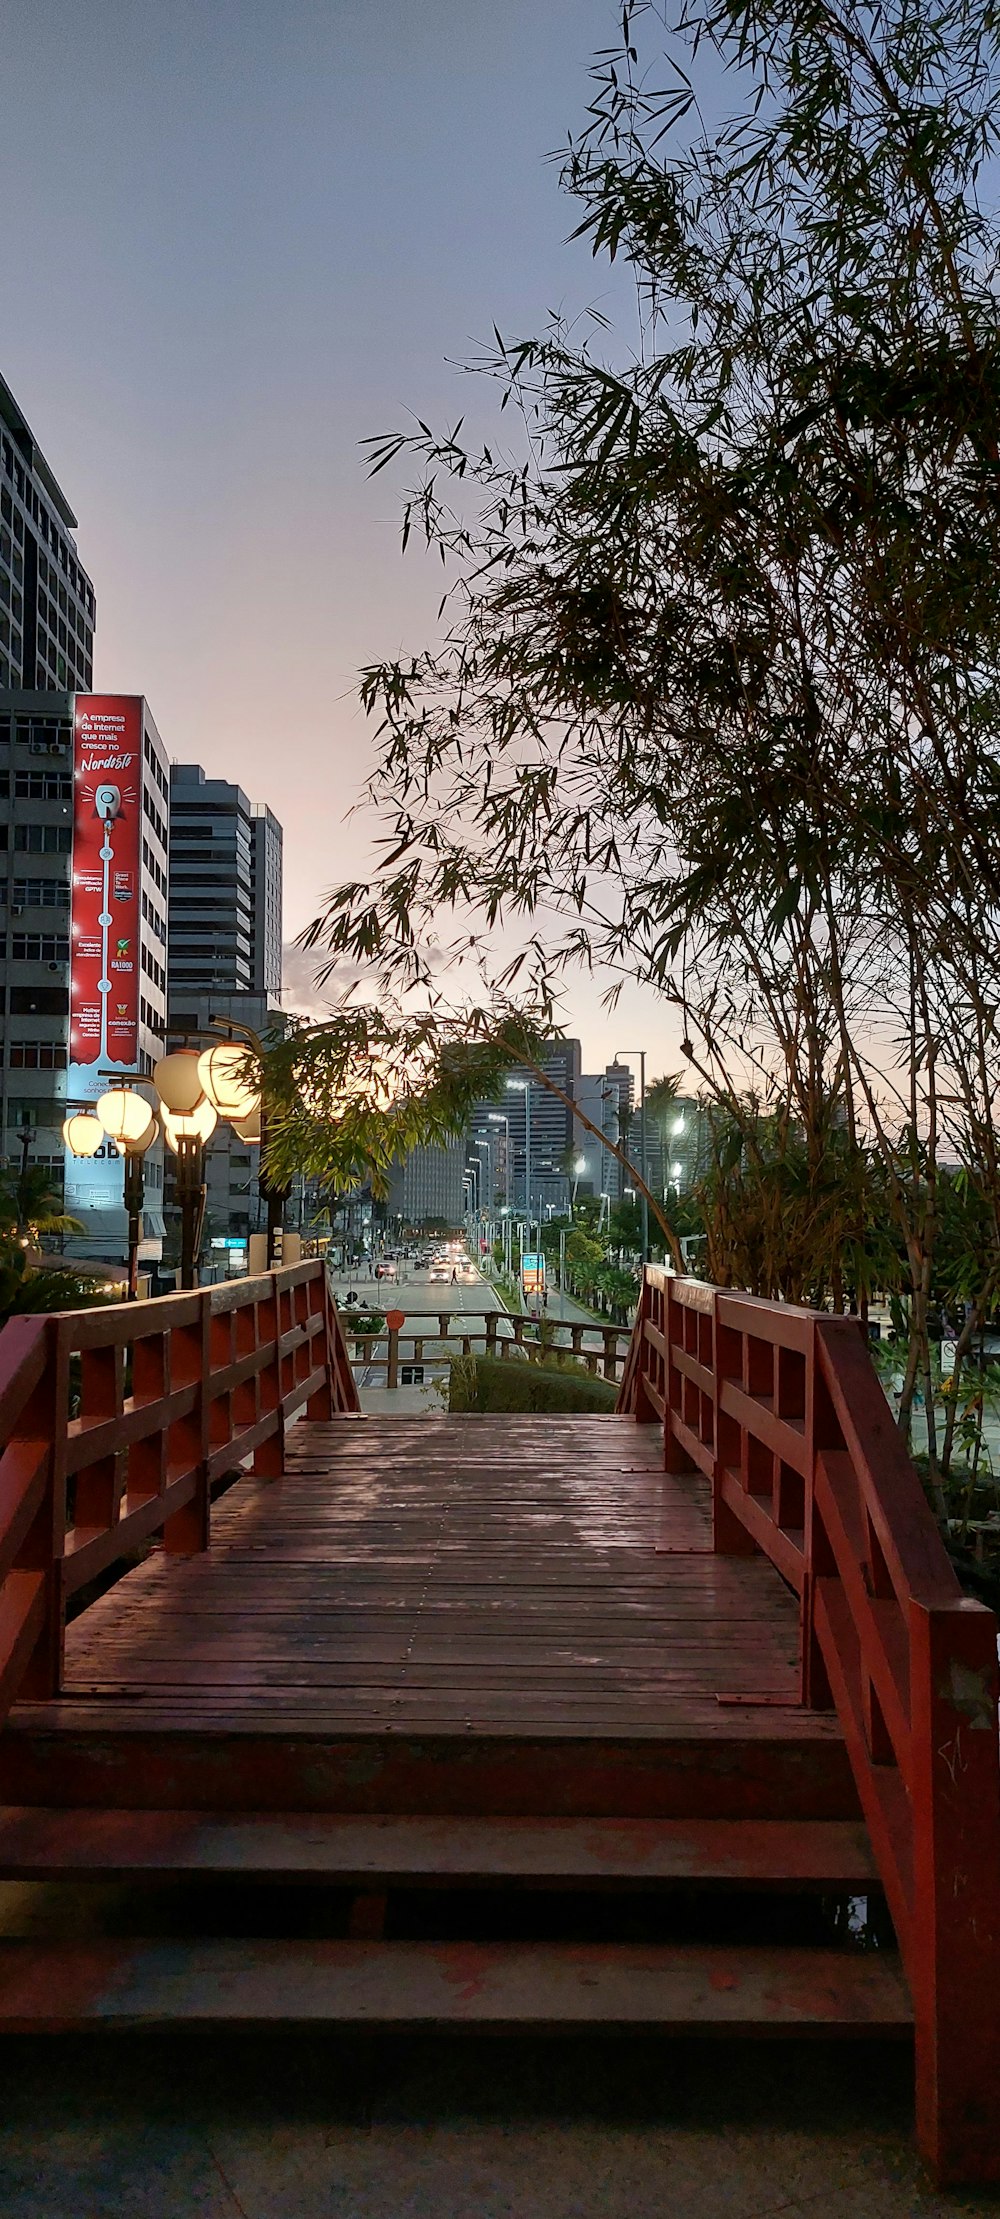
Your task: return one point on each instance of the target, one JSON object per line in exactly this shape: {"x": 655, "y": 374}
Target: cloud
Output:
{"x": 300, "y": 992}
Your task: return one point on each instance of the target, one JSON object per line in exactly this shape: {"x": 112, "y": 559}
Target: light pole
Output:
{"x": 523, "y": 1086}
{"x": 124, "y": 1117}
{"x": 620, "y": 1055}
{"x": 192, "y": 1091}
{"x": 224, "y": 1079}
{"x": 500, "y": 1117}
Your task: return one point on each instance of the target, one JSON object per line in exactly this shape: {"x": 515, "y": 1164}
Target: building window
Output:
{"x": 44, "y": 839}
{"x": 39, "y": 1001}
{"x": 41, "y": 893}
{"x": 37, "y": 1055}
{"x": 43, "y": 785}
{"x": 39, "y": 947}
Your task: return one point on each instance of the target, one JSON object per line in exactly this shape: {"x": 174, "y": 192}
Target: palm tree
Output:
{"x": 30, "y": 1208}
{"x": 661, "y": 1102}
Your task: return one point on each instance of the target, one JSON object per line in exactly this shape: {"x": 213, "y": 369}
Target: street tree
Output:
{"x": 715, "y": 702}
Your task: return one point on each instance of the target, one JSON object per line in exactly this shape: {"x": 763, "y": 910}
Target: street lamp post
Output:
{"x": 523, "y": 1086}
{"x": 124, "y": 1117}
{"x": 223, "y": 1073}
{"x": 619, "y": 1058}
{"x": 191, "y": 1092}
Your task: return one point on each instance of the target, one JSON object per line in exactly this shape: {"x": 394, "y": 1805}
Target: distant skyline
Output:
{"x": 239, "y": 239}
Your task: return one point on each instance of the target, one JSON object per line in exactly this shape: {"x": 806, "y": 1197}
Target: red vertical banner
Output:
{"x": 104, "y": 917}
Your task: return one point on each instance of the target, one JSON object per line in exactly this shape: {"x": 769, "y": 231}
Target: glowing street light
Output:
{"x": 121, "y": 1116}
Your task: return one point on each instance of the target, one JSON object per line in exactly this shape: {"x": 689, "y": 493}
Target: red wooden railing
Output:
{"x": 89, "y": 1470}
{"x": 781, "y": 1411}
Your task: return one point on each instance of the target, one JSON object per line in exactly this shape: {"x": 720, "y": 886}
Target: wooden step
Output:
{"x": 117, "y": 1845}
{"x": 53, "y": 1988}
{"x": 787, "y": 1764}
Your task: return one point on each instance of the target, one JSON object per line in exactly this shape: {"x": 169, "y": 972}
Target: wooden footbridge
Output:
{"x": 513, "y": 1723}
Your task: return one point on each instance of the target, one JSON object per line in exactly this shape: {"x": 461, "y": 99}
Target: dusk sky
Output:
{"x": 239, "y": 237}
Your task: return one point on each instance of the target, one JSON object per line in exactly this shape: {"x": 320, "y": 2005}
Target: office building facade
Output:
{"x": 536, "y": 1133}
{"x": 426, "y": 1188}
{"x": 79, "y": 995}
{"x": 225, "y": 889}
{"x": 47, "y": 606}
{"x": 606, "y": 1098}
{"x": 225, "y": 964}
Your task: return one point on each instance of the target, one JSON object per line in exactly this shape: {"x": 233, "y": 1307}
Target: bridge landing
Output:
{"x": 516, "y": 1581}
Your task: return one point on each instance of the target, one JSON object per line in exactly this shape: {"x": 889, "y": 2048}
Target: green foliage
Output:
{"x": 717, "y": 701}
{"x": 492, "y": 1383}
{"x": 30, "y": 1206}
{"x": 61, "y": 1287}
{"x": 794, "y": 1214}
{"x": 347, "y": 1098}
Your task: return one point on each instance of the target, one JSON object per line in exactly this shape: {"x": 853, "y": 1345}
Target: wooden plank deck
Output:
{"x": 494, "y": 1582}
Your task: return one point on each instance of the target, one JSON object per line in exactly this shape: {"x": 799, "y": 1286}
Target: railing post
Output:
{"x": 269, "y": 1456}
{"x": 675, "y": 1456}
{"x": 322, "y": 1404}
{"x": 818, "y": 1561}
{"x": 955, "y": 1952}
{"x": 392, "y": 1364}
{"x": 43, "y": 1423}
{"x": 729, "y": 1535}
{"x": 644, "y": 1410}
{"x": 186, "y": 1532}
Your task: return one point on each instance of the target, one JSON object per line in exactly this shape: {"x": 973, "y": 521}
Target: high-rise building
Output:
{"x": 266, "y": 887}
{"x": 83, "y": 935}
{"x": 537, "y": 1129}
{"x": 426, "y": 1188}
{"x": 225, "y": 963}
{"x": 606, "y": 1097}
{"x": 225, "y": 889}
{"x": 47, "y": 607}
{"x": 687, "y": 1151}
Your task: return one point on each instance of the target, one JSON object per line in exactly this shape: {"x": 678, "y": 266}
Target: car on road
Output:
{"x": 440, "y": 1272}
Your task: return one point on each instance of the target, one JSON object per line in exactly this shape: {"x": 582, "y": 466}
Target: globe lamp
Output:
{"x": 125, "y": 1116}
{"x": 248, "y": 1128}
{"x": 224, "y": 1079}
{"x": 176, "y": 1080}
{"x": 83, "y": 1134}
{"x": 194, "y": 1124}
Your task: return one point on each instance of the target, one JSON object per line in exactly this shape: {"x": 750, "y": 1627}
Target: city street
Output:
{"x": 416, "y": 1295}
{"x": 473, "y": 1298}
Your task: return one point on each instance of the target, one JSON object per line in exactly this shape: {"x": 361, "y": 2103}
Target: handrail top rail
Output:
{"x": 111, "y": 1322}
{"x": 700, "y": 1294}
{"x": 917, "y": 1562}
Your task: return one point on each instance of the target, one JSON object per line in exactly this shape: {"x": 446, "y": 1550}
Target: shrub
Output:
{"x": 501, "y": 1383}
{"x": 362, "y": 1321}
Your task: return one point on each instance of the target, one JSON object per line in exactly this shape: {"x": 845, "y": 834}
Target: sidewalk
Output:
{"x": 246, "y": 2127}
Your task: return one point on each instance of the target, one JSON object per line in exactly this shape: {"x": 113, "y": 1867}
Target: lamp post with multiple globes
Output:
{"x": 192, "y": 1092}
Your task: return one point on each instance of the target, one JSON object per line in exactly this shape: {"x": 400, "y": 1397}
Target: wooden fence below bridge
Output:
{"x": 434, "y": 1337}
